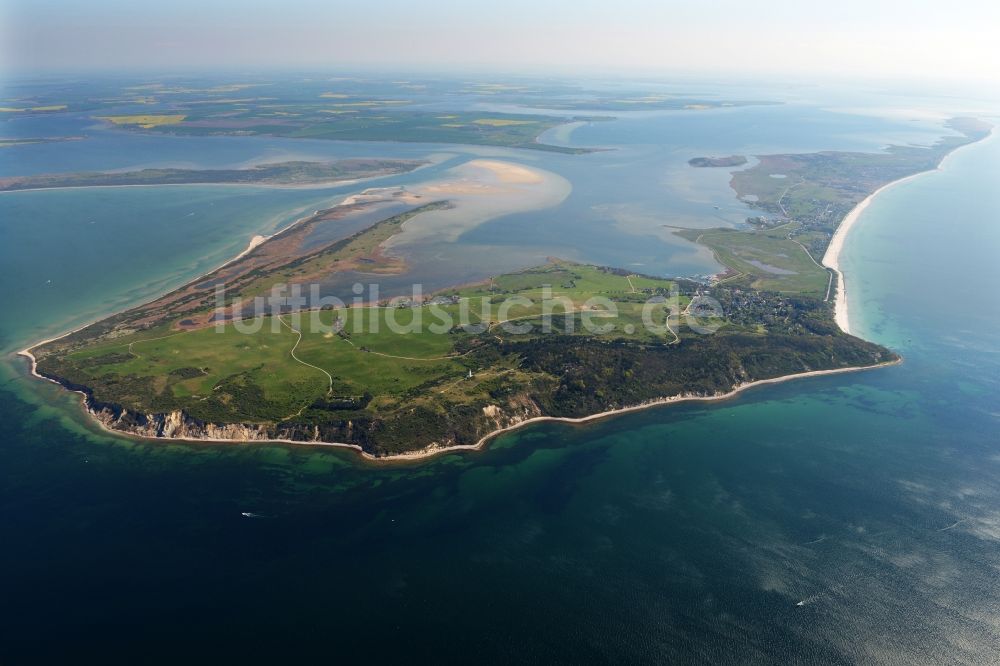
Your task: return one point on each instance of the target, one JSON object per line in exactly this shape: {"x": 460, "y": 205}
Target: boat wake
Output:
{"x": 953, "y": 525}
{"x": 808, "y": 600}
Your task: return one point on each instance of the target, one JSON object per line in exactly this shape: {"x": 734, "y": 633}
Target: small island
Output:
{"x": 730, "y": 161}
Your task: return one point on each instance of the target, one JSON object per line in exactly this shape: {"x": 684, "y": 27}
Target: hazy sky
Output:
{"x": 914, "y": 38}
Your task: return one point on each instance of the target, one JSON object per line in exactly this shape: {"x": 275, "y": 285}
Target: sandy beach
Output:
{"x": 831, "y": 259}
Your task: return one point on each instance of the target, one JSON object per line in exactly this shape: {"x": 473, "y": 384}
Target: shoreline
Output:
{"x": 255, "y": 241}
{"x": 432, "y": 452}
{"x": 560, "y": 134}
{"x": 422, "y": 454}
{"x": 831, "y": 258}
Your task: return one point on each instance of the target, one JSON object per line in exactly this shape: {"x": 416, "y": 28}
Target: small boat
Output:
{"x": 250, "y": 514}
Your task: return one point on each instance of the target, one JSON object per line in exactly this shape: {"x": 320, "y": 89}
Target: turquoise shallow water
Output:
{"x": 847, "y": 519}
{"x": 57, "y": 246}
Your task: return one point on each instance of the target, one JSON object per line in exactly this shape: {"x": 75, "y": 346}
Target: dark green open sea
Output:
{"x": 844, "y": 519}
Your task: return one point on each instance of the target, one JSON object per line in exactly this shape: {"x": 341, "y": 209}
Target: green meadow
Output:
{"x": 247, "y": 370}
{"x": 768, "y": 260}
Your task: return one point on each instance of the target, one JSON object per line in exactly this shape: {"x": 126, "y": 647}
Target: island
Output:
{"x": 406, "y": 376}
{"x": 730, "y": 161}
{"x": 357, "y": 120}
{"x": 27, "y": 141}
{"x": 279, "y": 173}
